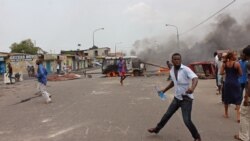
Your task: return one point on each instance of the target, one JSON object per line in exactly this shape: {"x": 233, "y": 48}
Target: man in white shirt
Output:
{"x": 219, "y": 77}
{"x": 181, "y": 77}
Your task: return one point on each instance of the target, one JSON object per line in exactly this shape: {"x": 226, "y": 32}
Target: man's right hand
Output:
{"x": 161, "y": 91}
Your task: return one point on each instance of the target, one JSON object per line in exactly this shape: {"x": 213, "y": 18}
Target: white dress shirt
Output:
{"x": 185, "y": 76}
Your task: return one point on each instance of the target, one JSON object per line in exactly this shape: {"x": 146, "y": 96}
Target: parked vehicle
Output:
{"x": 134, "y": 66}
{"x": 204, "y": 70}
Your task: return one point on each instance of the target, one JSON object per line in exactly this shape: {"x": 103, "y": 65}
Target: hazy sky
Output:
{"x": 56, "y": 25}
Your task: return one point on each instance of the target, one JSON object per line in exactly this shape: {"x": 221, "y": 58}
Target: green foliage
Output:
{"x": 25, "y": 46}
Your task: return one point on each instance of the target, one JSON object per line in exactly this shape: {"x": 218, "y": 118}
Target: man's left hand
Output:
{"x": 189, "y": 91}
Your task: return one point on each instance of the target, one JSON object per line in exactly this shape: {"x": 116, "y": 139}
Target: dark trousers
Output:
{"x": 186, "y": 108}
{"x": 242, "y": 87}
{"x": 216, "y": 76}
{"x": 10, "y": 77}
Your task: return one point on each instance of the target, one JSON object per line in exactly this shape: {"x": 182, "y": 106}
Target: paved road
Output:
{"x": 99, "y": 109}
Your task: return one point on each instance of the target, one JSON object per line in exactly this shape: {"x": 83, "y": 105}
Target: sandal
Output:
{"x": 237, "y": 137}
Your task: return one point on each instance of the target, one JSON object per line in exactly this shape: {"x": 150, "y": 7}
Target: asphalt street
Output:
{"x": 100, "y": 109}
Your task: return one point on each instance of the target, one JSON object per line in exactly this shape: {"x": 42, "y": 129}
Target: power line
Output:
{"x": 207, "y": 18}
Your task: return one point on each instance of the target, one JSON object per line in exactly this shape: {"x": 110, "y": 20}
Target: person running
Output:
{"x": 122, "y": 69}
{"x": 42, "y": 79}
{"x": 232, "y": 70}
{"x": 243, "y": 134}
{"x": 181, "y": 76}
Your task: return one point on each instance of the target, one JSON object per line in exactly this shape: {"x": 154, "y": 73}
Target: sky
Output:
{"x": 56, "y": 25}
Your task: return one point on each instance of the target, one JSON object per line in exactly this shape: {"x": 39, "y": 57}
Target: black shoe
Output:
{"x": 153, "y": 130}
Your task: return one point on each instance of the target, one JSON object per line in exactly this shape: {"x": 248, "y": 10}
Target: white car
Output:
{"x": 97, "y": 64}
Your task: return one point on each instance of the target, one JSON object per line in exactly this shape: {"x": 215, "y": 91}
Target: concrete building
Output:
{"x": 97, "y": 52}
{"x": 20, "y": 62}
{"x": 3, "y": 58}
{"x": 75, "y": 59}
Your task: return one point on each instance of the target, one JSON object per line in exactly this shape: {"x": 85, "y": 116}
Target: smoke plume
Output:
{"x": 226, "y": 33}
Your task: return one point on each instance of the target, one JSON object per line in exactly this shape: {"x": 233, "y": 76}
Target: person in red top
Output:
{"x": 122, "y": 69}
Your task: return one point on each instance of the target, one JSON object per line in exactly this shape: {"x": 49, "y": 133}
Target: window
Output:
{"x": 96, "y": 53}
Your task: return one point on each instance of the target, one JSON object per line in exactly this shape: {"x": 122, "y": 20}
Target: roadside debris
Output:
{"x": 68, "y": 76}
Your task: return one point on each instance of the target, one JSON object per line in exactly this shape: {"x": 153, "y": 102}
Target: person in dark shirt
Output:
{"x": 10, "y": 72}
{"x": 232, "y": 70}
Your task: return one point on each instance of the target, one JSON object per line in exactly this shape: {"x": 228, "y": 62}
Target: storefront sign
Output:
{"x": 18, "y": 58}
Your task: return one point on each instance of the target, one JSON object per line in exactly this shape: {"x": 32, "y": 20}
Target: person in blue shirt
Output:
{"x": 243, "y": 77}
{"x": 42, "y": 79}
{"x": 244, "y": 126}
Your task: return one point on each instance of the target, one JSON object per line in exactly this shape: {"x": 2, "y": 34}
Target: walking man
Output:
{"x": 42, "y": 79}
{"x": 10, "y": 72}
{"x": 243, "y": 134}
{"x": 122, "y": 69}
{"x": 181, "y": 76}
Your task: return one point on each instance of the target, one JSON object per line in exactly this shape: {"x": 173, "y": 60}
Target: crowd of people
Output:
{"x": 232, "y": 83}
{"x": 232, "y": 76}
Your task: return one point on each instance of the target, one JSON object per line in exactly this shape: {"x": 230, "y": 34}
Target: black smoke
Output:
{"x": 226, "y": 33}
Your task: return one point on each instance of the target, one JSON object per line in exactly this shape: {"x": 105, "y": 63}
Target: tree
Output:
{"x": 25, "y": 46}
